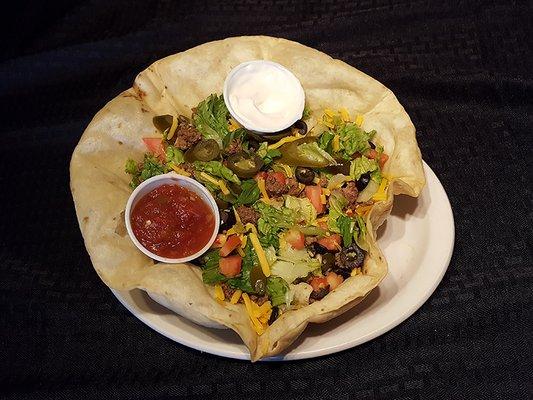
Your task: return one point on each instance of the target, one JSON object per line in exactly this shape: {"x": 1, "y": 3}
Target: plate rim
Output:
{"x": 391, "y": 324}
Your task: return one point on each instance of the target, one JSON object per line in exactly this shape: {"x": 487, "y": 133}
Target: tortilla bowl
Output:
{"x": 175, "y": 84}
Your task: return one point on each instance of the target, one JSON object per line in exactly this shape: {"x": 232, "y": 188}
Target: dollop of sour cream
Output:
{"x": 264, "y": 96}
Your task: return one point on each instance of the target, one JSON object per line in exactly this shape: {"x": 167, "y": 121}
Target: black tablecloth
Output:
{"x": 463, "y": 72}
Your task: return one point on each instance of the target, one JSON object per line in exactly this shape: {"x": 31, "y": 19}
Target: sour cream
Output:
{"x": 264, "y": 96}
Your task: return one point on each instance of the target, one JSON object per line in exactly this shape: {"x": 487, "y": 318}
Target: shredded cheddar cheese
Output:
{"x": 258, "y": 327}
{"x": 236, "y": 296}
{"x": 219, "y": 182}
{"x": 336, "y": 143}
{"x": 381, "y": 194}
{"x": 260, "y": 254}
{"x": 219, "y": 293}
{"x": 178, "y": 170}
{"x": 262, "y": 189}
{"x": 172, "y": 127}
{"x": 359, "y": 120}
{"x": 285, "y": 140}
{"x": 345, "y": 115}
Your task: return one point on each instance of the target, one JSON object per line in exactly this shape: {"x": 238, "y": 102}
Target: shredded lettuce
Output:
{"x": 362, "y": 165}
{"x": 351, "y": 228}
{"x": 302, "y": 208}
{"x": 278, "y": 291}
{"x": 174, "y": 155}
{"x": 250, "y": 193}
{"x": 324, "y": 141}
{"x": 336, "y": 204}
{"x": 292, "y": 263}
{"x": 210, "y": 272}
{"x": 211, "y": 119}
{"x": 149, "y": 167}
{"x": 313, "y": 153}
{"x": 353, "y": 139}
{"x": 266, "y": 154}
{"x": 216, "y": 168}
{"x": 272, "y": 221}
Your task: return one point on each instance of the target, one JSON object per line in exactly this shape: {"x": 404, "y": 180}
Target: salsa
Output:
{"x": 172, "y": 221}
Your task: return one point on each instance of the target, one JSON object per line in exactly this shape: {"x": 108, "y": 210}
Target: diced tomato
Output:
{"x": 332, "y": 242}
{"x": 230, "y": 266}
{"x": 219, "y": 241}
{"x": 231, "y": 244}
{"x": 313, "y": 194}
{"x": 278, "y": 176}
{"x": 295, "y": 238}
{"x": 155, "y": 146}
{"x": 318, "y": 282}
{"x": 334, "y": 280}
{"x": 383, "y": 159}
{"x": 372, "y": 154}
{"x": 260, "y": 174}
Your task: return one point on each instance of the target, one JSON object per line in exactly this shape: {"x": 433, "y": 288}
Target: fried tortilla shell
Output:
{"x": 174, "y": 85}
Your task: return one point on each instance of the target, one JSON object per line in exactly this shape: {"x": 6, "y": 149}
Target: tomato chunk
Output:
{"x": 230, "y": 266}
{"x": 155, "y": 146}
{"x": 371, "y": 154}
{"x": 382, "y": 160}
{"x": 313, "y": 194}
{"x": 332, "y": 242}
{"x": 295, "y": 238}
{"x": 278, "y": 176}
{"x": 334, "y": 280}
{"x": 318, "y": 283}
{"x": 231, "y": 244}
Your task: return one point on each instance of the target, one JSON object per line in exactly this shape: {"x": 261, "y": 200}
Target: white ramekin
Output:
{"x": 227, "y": 85}
{"x": 171, "y": 178}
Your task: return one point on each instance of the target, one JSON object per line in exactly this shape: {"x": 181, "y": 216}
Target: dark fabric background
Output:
{"x": 462, "y": 69}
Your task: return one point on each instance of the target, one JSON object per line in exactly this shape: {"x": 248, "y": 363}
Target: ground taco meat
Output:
{"x": 274, "y": 187}
{"x": 350, "y": 192}
{"x": 247, "y": 215}
{"x": 186, "y": 134}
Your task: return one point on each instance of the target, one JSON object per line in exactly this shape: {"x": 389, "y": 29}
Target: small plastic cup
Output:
{"x": 171, "y": 178}
{"x": 228, "y": 83}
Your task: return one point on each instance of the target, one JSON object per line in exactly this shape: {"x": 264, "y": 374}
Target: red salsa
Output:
{"x": 172, "y": 221}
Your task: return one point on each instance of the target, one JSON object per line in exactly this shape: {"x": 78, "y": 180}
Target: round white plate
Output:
{"x": 417, "y": 240}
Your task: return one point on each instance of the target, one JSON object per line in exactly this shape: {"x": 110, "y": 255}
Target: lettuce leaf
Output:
{"x": 353, "y": 139}
{"x": 336, "y": 204}
{"x": 362, "y": 165}
{"x": 324, "y": 141}
{"x": 302, "y": 208}
{"x": 277, "y": 290}
{"x": 149, "y": 167}
{"x": 266, "y": 154}
{"x": 312, "y": 152}
{"x": 211, "y": 119}
{"x": 351, "y": 229}
{"x": 292, "y": 263}
{"x": 250, "y": 193}
{"x": 210, "y": 272}
{"x": 174, "y": 155}
{"x": 272, "y": 220}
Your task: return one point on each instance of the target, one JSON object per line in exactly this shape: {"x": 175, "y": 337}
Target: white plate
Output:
{"x": 417, "y": 240}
